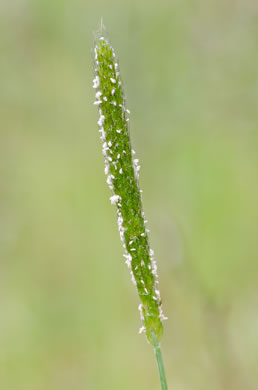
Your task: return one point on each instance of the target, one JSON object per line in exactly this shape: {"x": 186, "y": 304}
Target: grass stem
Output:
{"x": 158, "y": 354}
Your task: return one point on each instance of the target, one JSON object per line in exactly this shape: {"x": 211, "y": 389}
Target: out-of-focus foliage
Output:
{"x": 190, "y": 70}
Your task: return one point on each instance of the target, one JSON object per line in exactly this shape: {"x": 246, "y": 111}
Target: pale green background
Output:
{"x": 68, "y": 310}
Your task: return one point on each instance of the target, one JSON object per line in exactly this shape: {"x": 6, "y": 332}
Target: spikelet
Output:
{"x": 122, "y": 171}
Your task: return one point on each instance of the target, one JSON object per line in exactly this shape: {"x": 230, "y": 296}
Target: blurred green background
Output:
{"x": 68, "y": 309}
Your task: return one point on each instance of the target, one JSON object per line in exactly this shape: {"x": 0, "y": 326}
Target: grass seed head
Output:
{"x": 122, "y": 172}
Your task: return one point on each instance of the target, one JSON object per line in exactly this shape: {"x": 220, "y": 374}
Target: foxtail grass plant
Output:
{"x": 122, "y": 171}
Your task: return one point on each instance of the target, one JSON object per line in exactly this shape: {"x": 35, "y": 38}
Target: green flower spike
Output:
{"x": 122, "y": 171}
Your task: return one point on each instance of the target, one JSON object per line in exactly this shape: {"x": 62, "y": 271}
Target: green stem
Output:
{"x": 158, "y": 354}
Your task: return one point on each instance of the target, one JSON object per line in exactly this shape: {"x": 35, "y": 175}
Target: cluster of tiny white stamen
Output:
{"x": 116, "y": 199}
{"x": 136, "y": 167}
